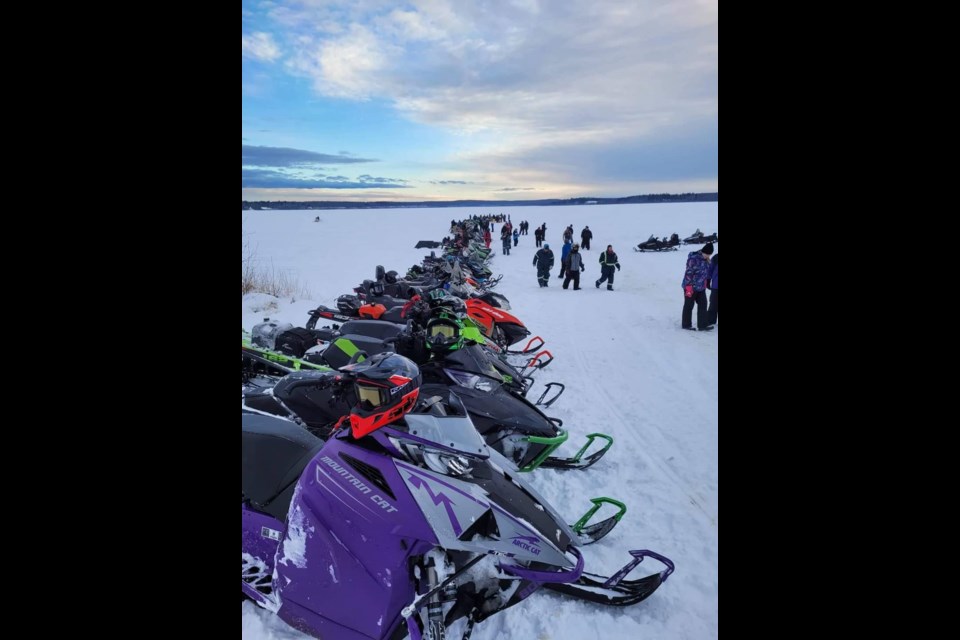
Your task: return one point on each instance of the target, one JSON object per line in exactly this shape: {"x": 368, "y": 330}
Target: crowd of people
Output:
{"x": 701, "y": 273}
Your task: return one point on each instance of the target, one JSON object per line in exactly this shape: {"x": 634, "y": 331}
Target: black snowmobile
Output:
{"x": 337, "y": 344}
{"x": 509, "y": 423}
{"x": 699, "y": 238}
{"x": 653, "y": 244}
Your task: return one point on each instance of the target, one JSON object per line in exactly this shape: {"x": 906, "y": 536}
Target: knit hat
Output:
{"x": 707, "y": 249}
{"x": 546, "y": 246}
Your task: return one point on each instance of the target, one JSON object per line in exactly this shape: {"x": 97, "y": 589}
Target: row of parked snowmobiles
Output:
{"x": 654, "y": 244}
{"x": 383, "y": 492}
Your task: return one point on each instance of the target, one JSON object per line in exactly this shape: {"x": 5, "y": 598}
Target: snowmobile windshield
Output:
{"x": 472, "y": 359}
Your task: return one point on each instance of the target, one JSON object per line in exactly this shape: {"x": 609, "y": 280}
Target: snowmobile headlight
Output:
{"x": 449, "y": 464}
{"x": 445, "y": 463}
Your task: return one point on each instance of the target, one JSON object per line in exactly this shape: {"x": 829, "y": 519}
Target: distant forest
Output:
{"x": 492, "y": 204}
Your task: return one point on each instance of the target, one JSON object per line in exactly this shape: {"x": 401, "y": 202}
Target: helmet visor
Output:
{"x": 375, "y": 396}
{"x": 445, "y": 330}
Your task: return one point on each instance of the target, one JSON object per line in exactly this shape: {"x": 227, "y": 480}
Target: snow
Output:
{"x": 630, "y": 372}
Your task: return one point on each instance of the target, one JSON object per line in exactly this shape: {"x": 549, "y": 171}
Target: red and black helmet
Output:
{"x": 387, "y": 386}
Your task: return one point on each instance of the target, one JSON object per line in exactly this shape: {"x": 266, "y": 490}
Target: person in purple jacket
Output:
{"x": 713, "y": 284}
{"x": 694, "y": 288}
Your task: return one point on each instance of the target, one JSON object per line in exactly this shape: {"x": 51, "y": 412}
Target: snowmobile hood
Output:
{"x": 489, "y": 509}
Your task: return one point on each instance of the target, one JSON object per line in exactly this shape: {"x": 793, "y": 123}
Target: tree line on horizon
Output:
{"x": 327, "y": 204}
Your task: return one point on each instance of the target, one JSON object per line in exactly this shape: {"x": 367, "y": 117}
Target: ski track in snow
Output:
{"x": 629, "y": 371}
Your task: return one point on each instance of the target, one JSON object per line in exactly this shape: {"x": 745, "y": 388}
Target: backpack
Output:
{"x": 295, "y": 342}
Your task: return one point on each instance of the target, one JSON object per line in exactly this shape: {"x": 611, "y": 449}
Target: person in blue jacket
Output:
{"x": 564, "y": 252}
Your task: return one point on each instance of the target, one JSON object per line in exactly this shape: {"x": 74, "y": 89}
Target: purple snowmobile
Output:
{"x": 402, "y": 522}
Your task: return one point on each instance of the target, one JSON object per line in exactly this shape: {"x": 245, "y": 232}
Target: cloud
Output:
{"x": 449, "y": 182}
{"x": 286, "y": 157}
{"x": 349, "y": 66}
{"x": 564, "y": 94}
{"x": 276, "y": 179}
{"x": 260, "y": 46}
{"x": 511, "y": 66}
{"x": 367, "y": 178}
{"x": 516, "y": 189}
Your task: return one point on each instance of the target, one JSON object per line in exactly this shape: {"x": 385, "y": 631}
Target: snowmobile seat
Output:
{"x": 343, "y": 348}
{"x": 373, "y": 328}
{"x": 274, "y": 454}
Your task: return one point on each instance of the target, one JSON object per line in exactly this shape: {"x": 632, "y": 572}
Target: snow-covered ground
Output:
{"x": 629, "y": 369}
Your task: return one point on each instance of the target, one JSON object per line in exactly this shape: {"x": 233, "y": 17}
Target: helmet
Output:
{"x": 390, "y": 277}
{"x": 440, "y": 299}
{"x": 387, "y": 386}
{"x": 444, "y": 333}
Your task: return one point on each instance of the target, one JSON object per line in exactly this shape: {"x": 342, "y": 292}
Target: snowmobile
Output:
{"x": 479, "y": 356}
{"x": 510, "y": 423}
{"x": 699, "y": 238}
{"x": 503, "y": 328}
{"x": 260, "y": 361}
{"x": 267, "y": 350}
{"x": 653, "y": 244}
{"x": 403, "y": 523}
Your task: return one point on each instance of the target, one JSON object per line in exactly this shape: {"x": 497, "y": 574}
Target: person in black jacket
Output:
{"x": 585, "y": 237}
{"x": 543, "y": 261}
{"x": 608, "y": 260}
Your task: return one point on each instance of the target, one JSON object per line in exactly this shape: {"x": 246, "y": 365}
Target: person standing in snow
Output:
{"x": 694, "y": 284}
{"x": 574, "y": 266}
{"x": 567, "y": 244}
{"x": 486, "y": 238}
{"x": 543, "y": 261}
{"x": 505, "y": 239}
{"x": 608, "y": 260}
{"x": 585, "y": 237}
{"x": 516, "y": 236}
{"x": 713, "y": 283}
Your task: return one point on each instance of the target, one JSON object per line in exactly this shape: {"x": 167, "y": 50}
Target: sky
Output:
{"x": 630, "y": 371}
{"x": 494, "y": 100}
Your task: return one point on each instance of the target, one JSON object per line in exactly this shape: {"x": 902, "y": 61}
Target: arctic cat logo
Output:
{"x": 527, "y": 543}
